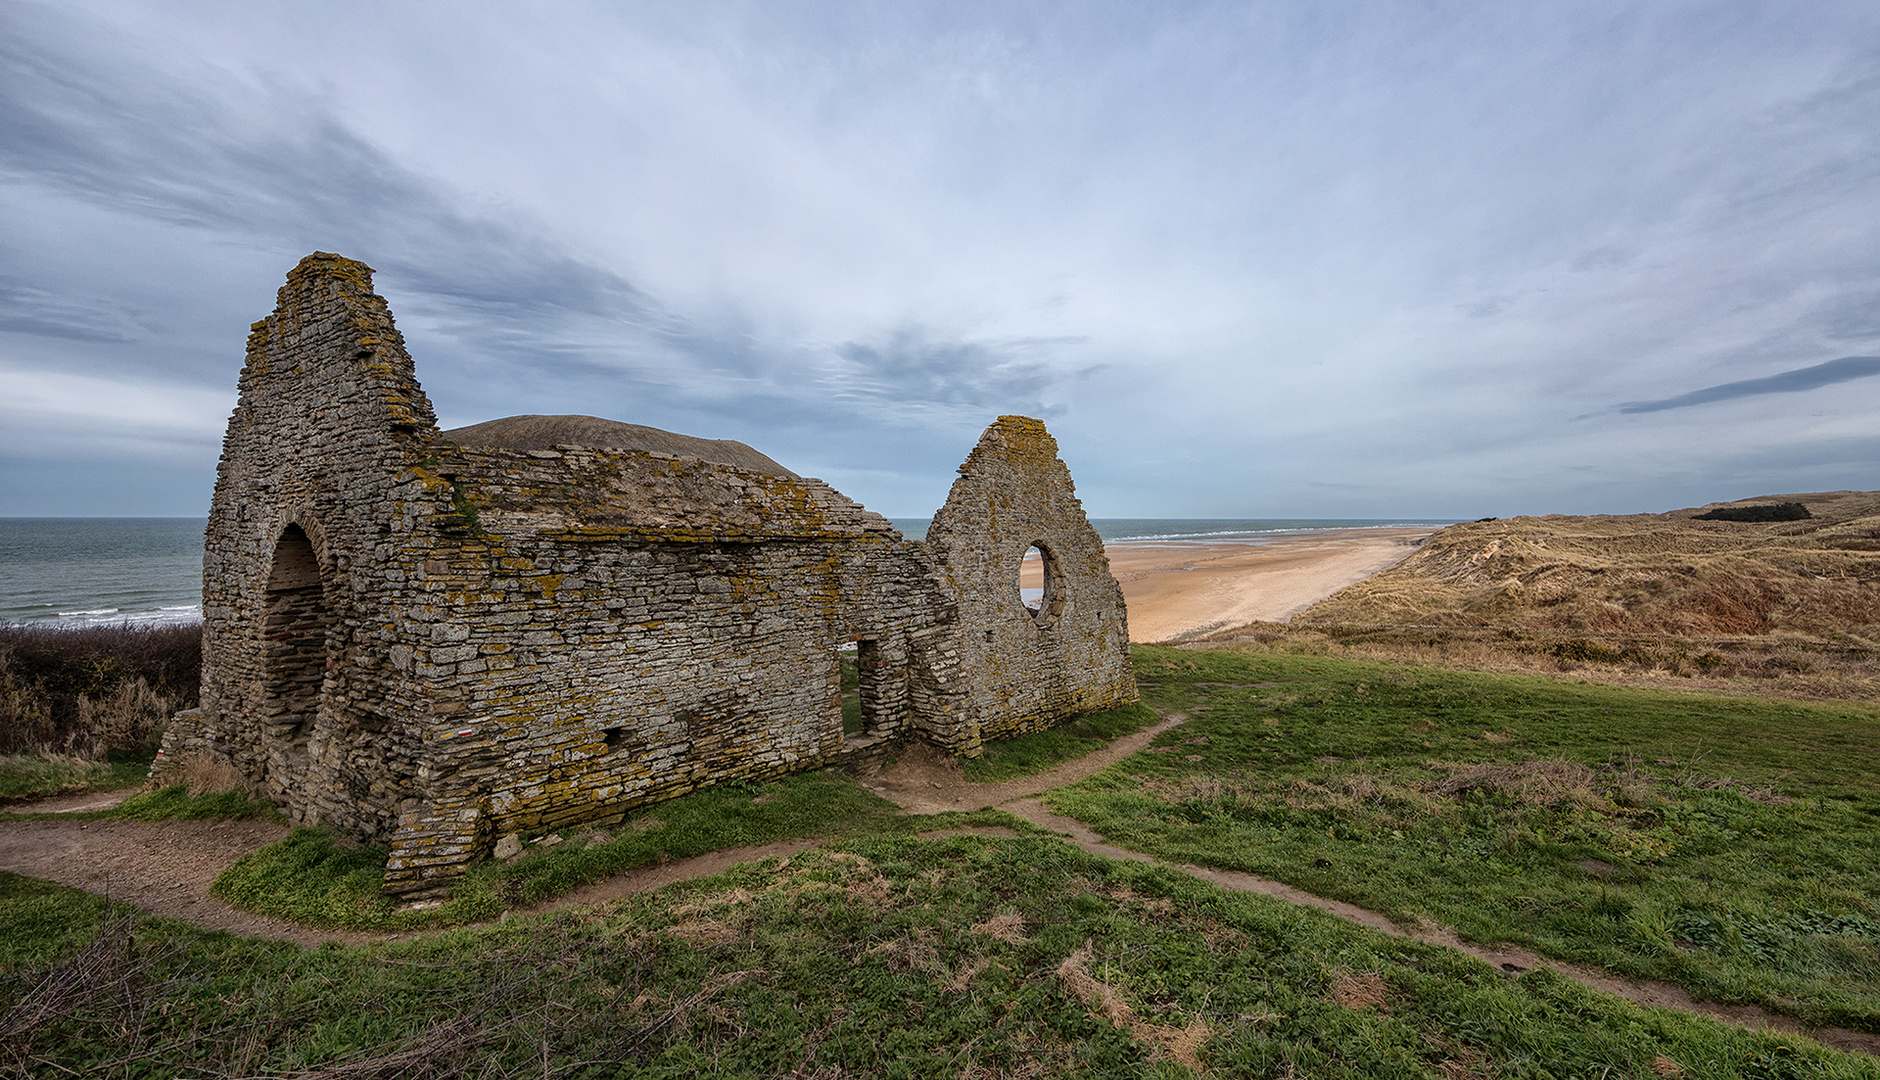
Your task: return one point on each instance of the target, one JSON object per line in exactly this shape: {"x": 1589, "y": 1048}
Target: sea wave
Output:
{"x": 175, "y": 615}
{"x": 1220, "y": 535}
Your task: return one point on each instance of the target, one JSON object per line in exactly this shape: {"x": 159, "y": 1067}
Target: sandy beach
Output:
{"x": 1180, "y": 591}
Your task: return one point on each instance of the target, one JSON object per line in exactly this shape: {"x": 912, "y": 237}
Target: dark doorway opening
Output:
{"x": 295, "y": 624}
{"x": 861, "y": 693}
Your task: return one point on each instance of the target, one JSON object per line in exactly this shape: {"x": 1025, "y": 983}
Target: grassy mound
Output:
{"x": 1788, "y": 511}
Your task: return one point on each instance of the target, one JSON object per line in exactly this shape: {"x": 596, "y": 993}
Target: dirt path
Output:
{"x": 1511, "y": 959}
{"x": 926, "y": 781}
{"x": 162, "y": 867}
{"x": 167, "y": 868}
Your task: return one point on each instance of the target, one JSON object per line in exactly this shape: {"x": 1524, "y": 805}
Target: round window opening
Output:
{"x": 1041, "y": 584}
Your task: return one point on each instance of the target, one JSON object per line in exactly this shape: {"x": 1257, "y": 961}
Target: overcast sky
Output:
{"x": 1416, "y": 259}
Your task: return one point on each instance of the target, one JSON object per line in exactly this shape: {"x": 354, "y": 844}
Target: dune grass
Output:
{"x": 1725, "y": 844}
{"x": 1636, "y": 574}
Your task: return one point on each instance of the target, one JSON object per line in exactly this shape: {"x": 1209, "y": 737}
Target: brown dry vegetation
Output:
{"x": 82, "y": 692}
{"x": 1786, "y": 608}
{"x": 1639, "y": 574}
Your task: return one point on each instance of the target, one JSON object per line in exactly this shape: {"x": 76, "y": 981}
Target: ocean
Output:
{"x": 101, "y": 571}
{"x": 1198, "y": 531}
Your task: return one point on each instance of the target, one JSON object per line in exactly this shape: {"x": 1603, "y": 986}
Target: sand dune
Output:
{"x": 1670, "y": 573}
{"x": 1179, "y": 592}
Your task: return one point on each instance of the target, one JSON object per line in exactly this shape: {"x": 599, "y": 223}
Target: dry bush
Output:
{"x": 212, "y": 775}
{"x": 126, "y": 716}
{"x": 87, "y": 691}
{"x": 1548, "y": 783}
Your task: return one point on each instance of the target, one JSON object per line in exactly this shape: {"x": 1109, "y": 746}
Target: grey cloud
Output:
{"x": 1854, "y": 316}
{"x": 1845, "y": 369}
{"x": 1272, "y": 225}
{"x": 913, "y": 366}
{"x": 1487, "y": 307}
{"x": 28, "y": 309}
{"x": 103, "y": 126}
{"x": 1607, "y": 257}
{"x": 531, "y": 324}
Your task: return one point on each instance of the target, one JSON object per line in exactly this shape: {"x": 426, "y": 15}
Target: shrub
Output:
{"x": 88, "y": 691}
{"x": 1789, "y": 511}
{"x": 1586, "y": 649}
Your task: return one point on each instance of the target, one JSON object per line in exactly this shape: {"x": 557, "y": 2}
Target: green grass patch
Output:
{"x": 25, "y": 777}
{"x": 1025, "y": 755}
{"x": 40, "y": 921}
{"x": 1725, "y": 844}
{"x": 319, "y": 879}
{"x": 175, "y": 803}
{"x": 887, "y": 957}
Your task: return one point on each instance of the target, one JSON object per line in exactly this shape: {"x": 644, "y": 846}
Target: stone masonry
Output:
{"x": 430, "y": 639}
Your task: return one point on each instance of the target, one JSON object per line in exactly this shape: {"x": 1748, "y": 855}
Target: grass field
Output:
{"x": 887, "y": 956}
{"x": 1027, "y": 755}
{"x": 1721, "y": 843}
{"x": 317, "y": 878}
{"x": 1725, "y": 844}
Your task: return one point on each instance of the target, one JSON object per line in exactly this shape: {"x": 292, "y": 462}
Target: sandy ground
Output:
{"x": 1179, "y": 592}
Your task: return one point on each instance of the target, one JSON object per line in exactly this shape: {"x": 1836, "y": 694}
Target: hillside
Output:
{"x": 1641, "y": 573}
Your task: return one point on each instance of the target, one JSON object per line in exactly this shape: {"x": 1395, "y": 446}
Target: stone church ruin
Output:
{"x": 430, "y": 638}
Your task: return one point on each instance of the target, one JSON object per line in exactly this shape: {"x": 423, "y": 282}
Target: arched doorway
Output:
{"x": 294, "y": 627}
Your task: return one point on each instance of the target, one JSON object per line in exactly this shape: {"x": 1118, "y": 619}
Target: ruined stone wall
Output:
{"x": 316, "y": 507}
{"x": 432, "y": 644}
{"x": 1025, "y": 670}
{"x": 645, "y": 671}
{"x": 601, "y": 650}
